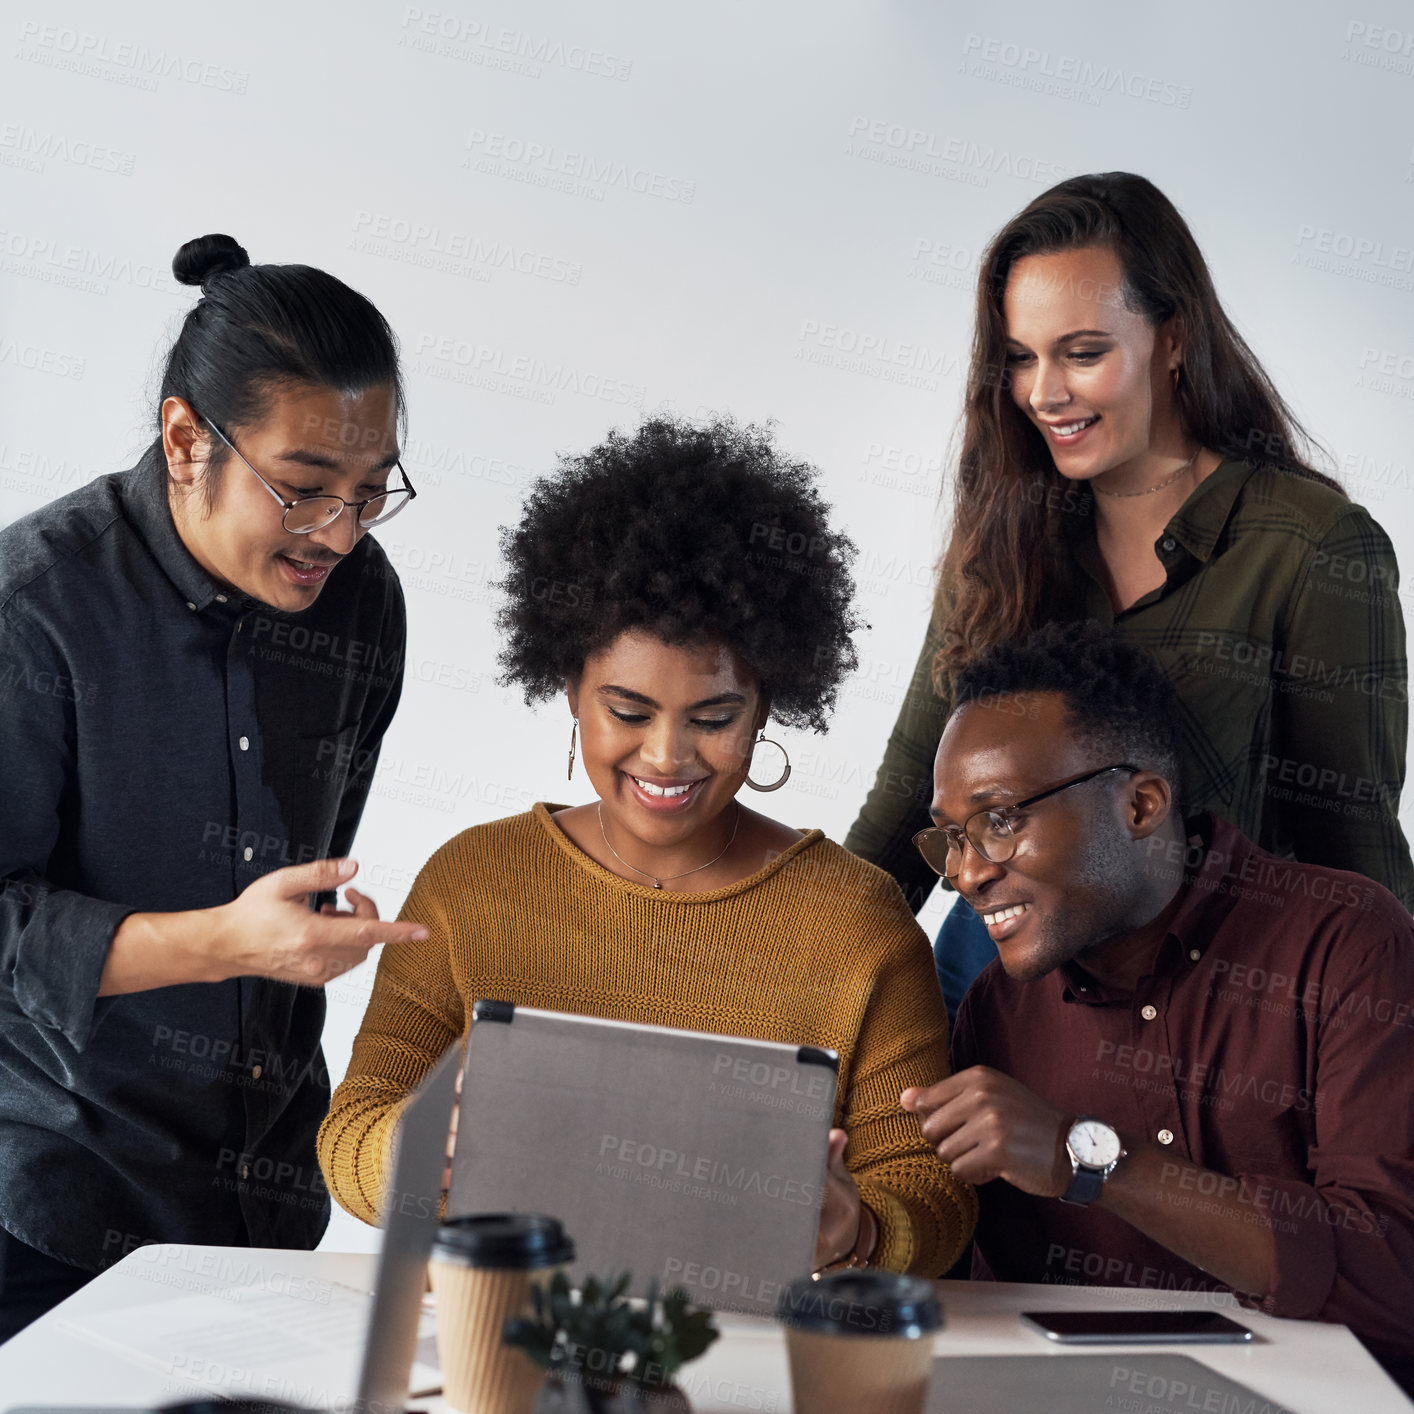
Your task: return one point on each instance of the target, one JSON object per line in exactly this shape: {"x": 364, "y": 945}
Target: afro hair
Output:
{"x": 696, "y": 534}
{"x": 1117, "y": 698}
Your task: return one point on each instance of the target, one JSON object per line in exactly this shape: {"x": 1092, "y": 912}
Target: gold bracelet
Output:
{"x": 864, "y": 1243}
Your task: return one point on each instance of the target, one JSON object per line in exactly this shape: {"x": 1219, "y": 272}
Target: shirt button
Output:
{"x": 1165, "y": 1136}
{"x": 255, "y": 1072}
{"x": 245, "y": 1170}
{"x": 191, "y": 606}
{"x": 1194, "y": 954}
{"x": 220, "y": 598}
{"x": 1148, "y": 1013}
{"x": 249, "y": 852}
{"x": 1169, "y": 542}
{"x": 244, "y": 744}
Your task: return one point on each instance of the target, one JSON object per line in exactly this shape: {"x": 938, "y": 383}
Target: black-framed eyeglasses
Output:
{"x": 309, "y": 513}
{"x": 989, "y": 832}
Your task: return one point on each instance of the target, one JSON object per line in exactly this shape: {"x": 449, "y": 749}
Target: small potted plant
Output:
{"x": 607, "y": 1354}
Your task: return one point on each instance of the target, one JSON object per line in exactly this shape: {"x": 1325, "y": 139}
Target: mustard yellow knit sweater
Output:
{"x": 817, "y": 948}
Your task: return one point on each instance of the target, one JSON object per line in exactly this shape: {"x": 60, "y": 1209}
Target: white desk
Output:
{"x": 1309, "y": 1367}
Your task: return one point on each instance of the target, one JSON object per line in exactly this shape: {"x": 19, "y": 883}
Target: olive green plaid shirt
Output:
{"x": 1279, "y": 624}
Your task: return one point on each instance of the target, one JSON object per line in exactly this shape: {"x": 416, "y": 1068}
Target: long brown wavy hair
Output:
{"x": 1006, "y": 557}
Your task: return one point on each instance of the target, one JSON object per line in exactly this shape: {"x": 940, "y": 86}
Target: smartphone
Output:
{"x": 1135, "y": 1327}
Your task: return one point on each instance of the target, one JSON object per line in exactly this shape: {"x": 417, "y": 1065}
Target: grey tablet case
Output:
{"x": 693, "y": 1159}
{"x": 1087, "y": 1384}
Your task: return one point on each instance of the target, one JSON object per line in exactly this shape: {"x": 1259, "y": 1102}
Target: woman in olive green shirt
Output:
{"x": 1125, "y": 458}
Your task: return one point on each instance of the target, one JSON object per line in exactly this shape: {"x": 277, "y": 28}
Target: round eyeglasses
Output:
{"x": 989, "y": 832}
{"x": 309, "y": 513}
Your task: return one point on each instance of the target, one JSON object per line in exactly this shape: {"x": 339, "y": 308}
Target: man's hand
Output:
{"x": 987, "y": 1125}
{"x": 842, "y": 1211}
{"x": 269, "y": 930}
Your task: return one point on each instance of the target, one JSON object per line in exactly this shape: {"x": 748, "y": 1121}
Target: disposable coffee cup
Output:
{"x": 860, "y": 1339}
{"x": 483, "y": 1268}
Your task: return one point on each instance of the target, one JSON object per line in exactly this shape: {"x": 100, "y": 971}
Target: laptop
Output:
{"x": 1088, "y": 1384}
{"x": 257, "y": 1342}
{"x": 685, "y": 1158}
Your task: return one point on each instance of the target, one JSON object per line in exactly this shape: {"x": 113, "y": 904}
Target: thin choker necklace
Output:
{"x": 1158, "y": 486}
{"x": 667, "y": 878}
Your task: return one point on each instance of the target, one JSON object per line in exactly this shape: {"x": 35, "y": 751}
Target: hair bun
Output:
{"x": 206, "y": 257}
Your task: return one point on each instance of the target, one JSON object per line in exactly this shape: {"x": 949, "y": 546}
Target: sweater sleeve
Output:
{"x": 414, "y": 1014}
{"x": 896, "y": 807}
{"x": 925, "y": 1214}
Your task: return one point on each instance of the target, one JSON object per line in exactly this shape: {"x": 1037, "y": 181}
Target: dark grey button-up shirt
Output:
{"x": 163, "y": 742}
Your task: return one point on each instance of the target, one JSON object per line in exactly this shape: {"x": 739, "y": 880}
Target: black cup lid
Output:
{"x": 862, "y": 1301}
{"x": 503, "y": 1240}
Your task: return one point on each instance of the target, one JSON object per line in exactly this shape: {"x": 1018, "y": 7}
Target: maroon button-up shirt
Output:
{"x": 1273, "y": 1044}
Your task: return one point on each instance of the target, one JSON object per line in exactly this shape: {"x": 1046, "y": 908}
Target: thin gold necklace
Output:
{"x": 667, "y": 878}
{"x": 1158, "y": 486}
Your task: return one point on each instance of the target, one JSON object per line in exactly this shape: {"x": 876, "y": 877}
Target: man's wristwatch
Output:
{"x": 1094, "y": 1150}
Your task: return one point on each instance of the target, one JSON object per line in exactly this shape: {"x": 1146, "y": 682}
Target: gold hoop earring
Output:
{"x": 569, "y": 776}
{"x": 763, "y": 740}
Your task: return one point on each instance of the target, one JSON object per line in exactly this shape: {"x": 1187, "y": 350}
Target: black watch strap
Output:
{"x": 1085, "y": 1186}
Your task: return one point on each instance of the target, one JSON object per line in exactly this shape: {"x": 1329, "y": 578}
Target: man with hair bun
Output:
{"x": 198, "y": 660}
{"x": 1191, "y": 1066}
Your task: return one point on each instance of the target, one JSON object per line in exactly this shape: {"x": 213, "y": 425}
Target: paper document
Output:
{"x": 258, "y": 1342}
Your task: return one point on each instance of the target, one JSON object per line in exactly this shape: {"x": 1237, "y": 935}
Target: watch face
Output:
{"x": 1093, "y": 1143}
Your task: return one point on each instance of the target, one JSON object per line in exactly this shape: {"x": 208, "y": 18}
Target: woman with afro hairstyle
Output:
{"x": 679, "y": 586}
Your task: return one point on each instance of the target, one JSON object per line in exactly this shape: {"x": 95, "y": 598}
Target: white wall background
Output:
{"x": 571, "y": 213}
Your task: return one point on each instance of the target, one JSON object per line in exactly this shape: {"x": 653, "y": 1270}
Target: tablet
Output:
{"x": 1144, "y": 1381}
{"x": 1136, "y": 1327}
{"x": 682, "y": 1157}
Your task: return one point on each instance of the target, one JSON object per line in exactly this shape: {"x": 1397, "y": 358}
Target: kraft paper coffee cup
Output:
{"x": 860, "y": 1339}
{"x": 482, "y": 1268}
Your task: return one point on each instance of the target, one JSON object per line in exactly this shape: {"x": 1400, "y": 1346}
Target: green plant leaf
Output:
{"x": 648, "y": 1344}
